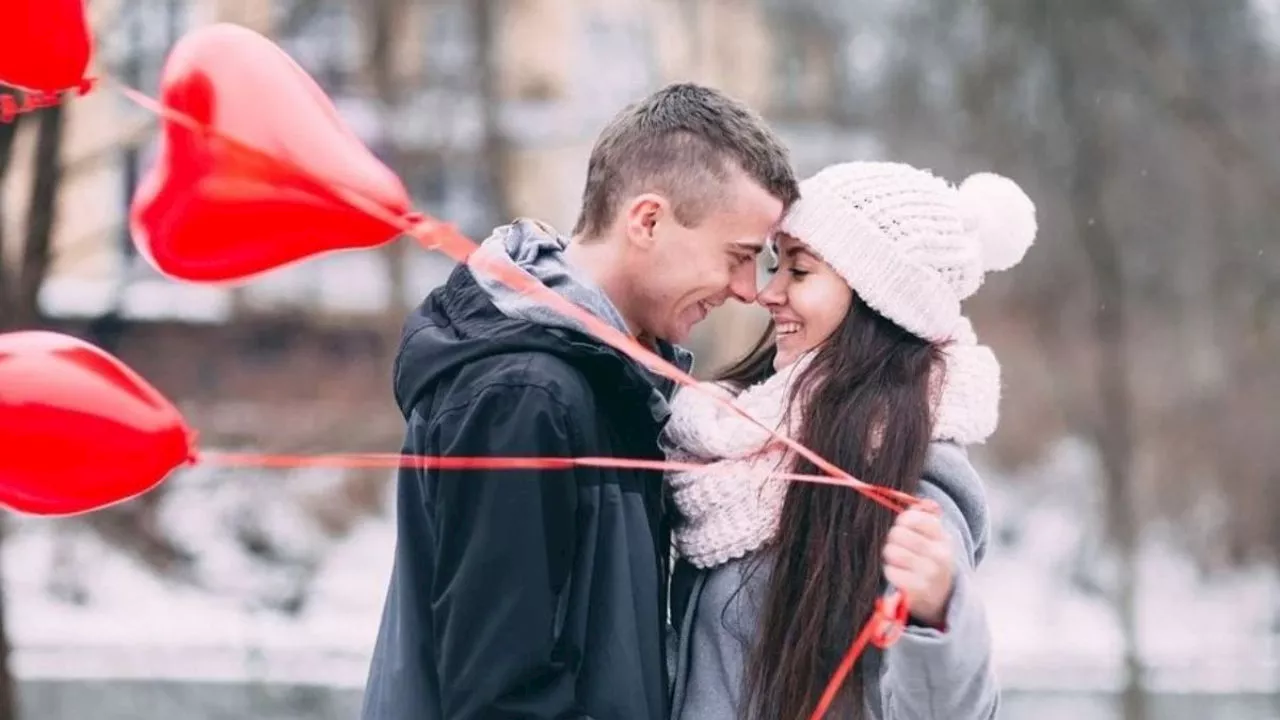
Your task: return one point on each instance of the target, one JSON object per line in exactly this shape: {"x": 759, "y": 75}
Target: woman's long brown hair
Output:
{"x": 866, "y": 408}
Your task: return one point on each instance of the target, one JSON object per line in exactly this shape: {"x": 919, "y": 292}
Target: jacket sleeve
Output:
{"x": 930, "y": 674}
{"x": 505, "y": 547}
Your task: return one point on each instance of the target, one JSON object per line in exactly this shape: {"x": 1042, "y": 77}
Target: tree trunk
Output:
{"x": 20, "y": 292}
{"x": 7, "y": 133}
{"x": 8, "y": 687}
{"x": 41, "y": 216}
{"x": 495, "y": 146}
{"x": 8, "y": 690}
{"x": 1113, "y": 429}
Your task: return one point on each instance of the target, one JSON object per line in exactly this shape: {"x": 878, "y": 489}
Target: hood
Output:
{"x": 539, "y": 250}
{"x": 458, "y": 324}
{"x": 947, "y": 467}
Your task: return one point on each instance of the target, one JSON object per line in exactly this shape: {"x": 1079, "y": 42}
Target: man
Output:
{"x": 542, "y": 594}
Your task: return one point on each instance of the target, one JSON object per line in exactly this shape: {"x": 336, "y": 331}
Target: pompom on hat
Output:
{"x": 912, "y": 247}
{"x": 1001, "y": 216}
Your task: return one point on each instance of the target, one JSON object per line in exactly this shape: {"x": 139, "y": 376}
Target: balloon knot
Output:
{"x": 889, "y": 619}
{"x": 193, "y": 447}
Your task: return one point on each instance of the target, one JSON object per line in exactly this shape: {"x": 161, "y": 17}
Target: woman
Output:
{"x": 870, "y": 363}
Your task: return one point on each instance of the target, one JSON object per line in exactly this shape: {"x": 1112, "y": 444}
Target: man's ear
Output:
{"x": 642, "y": 215}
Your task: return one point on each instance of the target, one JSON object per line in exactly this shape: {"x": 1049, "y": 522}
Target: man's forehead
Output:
{"x": 775, "y": 241}
{"x": 750, "y": 201}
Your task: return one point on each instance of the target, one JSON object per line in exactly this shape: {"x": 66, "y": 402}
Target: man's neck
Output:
{"x": 598, "y": 260}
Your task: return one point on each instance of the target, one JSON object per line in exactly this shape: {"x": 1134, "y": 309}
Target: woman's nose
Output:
{"x": 774, "y": 292}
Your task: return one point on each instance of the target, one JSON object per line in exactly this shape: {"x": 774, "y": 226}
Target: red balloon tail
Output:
{"x": 32, "y": 100}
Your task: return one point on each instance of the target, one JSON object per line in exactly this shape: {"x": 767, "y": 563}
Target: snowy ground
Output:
{"x": 1199, "y": 636}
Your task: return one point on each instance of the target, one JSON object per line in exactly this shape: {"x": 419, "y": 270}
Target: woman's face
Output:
{"x": 806, "y": 298}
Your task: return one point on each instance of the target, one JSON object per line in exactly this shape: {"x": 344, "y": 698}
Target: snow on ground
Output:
{"x": 1216, "y": 635}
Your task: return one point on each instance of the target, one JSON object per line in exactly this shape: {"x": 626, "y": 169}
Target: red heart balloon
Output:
{"x": 260, "y": 183}
{"x": 46, "y": 44}
{"x": 78, "y": 428}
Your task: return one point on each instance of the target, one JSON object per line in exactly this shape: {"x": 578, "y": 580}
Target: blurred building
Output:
{"x": 559, "y": 70}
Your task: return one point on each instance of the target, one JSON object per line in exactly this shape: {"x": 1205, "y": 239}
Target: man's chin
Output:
{"x": 683, "y": 328}
{"x": 674, "y": 336}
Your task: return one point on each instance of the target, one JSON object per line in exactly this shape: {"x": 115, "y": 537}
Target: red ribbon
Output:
{"x": 392, "y": 461}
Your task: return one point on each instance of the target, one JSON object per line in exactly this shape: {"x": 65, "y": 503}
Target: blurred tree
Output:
{"x": 1143, "y": 137}
{"x": 382, "y": 27}
{"x": 22, "y": 271}
{"x": 494, "y": 146}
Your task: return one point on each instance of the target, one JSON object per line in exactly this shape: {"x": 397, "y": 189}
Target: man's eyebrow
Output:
{"x": 752, "y": 246}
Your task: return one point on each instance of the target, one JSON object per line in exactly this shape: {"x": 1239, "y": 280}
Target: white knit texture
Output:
{"x": 913, "y": 247}
{"x": 967, "y": 404}
{"x": 1003, "y": 217}
{"x": 732, "y": 506}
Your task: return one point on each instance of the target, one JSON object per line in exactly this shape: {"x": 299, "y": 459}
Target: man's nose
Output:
{"x": 743, "y": 284}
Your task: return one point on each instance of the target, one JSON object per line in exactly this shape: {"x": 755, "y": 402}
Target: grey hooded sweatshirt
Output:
{"x": 926, "y": 675}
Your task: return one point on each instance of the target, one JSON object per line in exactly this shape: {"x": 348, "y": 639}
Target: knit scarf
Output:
{"x": 732, "y": 505}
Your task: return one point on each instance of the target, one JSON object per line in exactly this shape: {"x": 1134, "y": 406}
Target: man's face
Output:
{"x": 687, "y": 271}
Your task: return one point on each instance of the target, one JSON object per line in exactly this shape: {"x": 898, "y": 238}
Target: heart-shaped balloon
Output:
{"x": 79, "y": 430}
{"x": 46, "y": 44}
{"x": 262, "y": 180}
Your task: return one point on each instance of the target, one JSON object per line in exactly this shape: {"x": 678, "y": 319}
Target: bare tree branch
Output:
{"x": 299, "y": 14}
{"x": 8, "y": 131}
{"x": 8, "y": 690}
{"x": 495, "y": 150}
{"x": 1113, "y": 432}
{"x": 41, "y": 216}
{"x": 1193, "y": 109}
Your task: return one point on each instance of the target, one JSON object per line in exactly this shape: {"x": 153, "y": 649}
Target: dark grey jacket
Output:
{"x": 521, "y": 594}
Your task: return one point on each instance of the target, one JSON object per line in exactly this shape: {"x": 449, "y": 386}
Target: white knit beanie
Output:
{"x": 912, "y": 247}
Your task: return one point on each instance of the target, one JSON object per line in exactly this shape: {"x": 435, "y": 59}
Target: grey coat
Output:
{"x": 926, "y": 675}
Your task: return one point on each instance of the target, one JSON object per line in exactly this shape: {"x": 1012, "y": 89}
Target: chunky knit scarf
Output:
{"x": 731, "y": 506}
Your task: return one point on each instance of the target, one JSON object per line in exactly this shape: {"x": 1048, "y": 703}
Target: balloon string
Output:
{"x": 33, "y": 100}
{"x": 887, "y": 623}
{"x": 392, "y": 461}
{"x": 434, "y": 235}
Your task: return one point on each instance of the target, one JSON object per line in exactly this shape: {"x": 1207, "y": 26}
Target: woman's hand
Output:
{"x": 919, "y": 561}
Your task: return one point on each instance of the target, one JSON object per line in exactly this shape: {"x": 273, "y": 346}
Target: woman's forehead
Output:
{"x": 784, "y": 244}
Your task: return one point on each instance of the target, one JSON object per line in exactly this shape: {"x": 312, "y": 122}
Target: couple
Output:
{"x": 549, "y": 594}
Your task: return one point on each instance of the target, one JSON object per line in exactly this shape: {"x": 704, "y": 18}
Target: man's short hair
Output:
{"x": 682, "y": 141}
